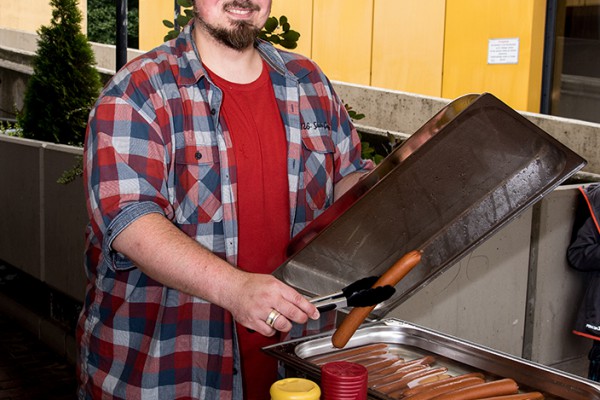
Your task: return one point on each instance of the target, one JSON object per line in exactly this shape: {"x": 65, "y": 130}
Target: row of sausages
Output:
{"x": 421, "y": 378}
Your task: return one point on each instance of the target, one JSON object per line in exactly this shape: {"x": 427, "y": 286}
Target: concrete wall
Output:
{"x": 400, "y": 112}
{"x": 15, "y": 71}
{"x": 41, "y": 221}
{"x": 514, "y": 293}
{"x": 20, "y": 205}
{"x": 483, "y": 297}
{"x": 17, "y": 50}
{"x": 556, "y": 289}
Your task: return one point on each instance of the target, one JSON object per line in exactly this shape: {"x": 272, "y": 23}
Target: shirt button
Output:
{"x": 213, "y": 111}
{"x": 198, "y": 155}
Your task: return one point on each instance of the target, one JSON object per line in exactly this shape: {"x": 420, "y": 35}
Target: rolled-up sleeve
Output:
{"x": 126, "y": 169}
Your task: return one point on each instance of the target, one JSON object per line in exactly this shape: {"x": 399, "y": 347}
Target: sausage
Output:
{"x": 381, "y": 373}
{"x": 398, "y": 370}
{"x": 374, "y": 367}
{"x": 358, "y": 314}
{"x": 519, "y": 396}
{"x": 398, "y": 374}
{"x": 481, "y": 391}
{"x": 365, "y": 358}
{"x": 425, "y": 360}
{"x": 402, "y": 382}
{"x": 343, "y": 354}
{"x": 427, "y": 379}
{"x": 430, "y": 385}
{"x": 440, "y": 389}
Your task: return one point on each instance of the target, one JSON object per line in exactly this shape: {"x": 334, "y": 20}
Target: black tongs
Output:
{"x": 357, "y": 294}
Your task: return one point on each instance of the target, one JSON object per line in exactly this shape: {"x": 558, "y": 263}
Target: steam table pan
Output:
{"x": 459, "y": 356}
{"x": 475, "y": 166}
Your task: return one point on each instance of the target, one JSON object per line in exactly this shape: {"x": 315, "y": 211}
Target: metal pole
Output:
{"x": 548, "y": 58}
{"x": 121, "y": 33}
{"x": 176, "y": 12}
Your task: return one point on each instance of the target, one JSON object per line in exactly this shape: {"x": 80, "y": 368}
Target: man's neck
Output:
{"x": 238, "y": 66}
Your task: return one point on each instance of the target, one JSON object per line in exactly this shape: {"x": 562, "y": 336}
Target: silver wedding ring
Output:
{"x": 273, "y": 315}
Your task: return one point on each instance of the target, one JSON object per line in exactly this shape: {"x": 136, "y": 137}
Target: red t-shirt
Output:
{"x": 260, "y": 148}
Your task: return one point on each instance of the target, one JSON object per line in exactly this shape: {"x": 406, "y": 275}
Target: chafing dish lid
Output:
{"x": 476, "y": 165}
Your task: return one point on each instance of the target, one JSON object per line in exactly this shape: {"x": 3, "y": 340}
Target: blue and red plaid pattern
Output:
{"x": 157, "y": 144}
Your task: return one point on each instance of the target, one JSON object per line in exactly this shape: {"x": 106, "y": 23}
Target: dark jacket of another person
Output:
{"x": 584, "y": 255}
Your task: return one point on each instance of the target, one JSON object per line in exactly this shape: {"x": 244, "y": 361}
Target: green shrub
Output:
{"x": 11, "y": 129}
{"x": 65, "y": 82}
{"x": 102, "y": 20}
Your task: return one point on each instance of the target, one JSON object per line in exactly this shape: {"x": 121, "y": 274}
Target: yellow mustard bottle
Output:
{"x": 295, "y": 389}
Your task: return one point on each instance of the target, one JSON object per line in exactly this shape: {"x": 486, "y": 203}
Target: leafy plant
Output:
{"x": 11, "y": 129}
{"x": 355, "y": 116}
{"x": 65, "y": 82}
{"x": 368, "y": 152}
{"x": 102, "y": 19}
{"x": 72, "y": 174}
{"x": 181, "y": 20}
{"x": 276, "y": 30}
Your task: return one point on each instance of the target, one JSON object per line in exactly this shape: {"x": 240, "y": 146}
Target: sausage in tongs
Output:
{"x": 358, "y": 314}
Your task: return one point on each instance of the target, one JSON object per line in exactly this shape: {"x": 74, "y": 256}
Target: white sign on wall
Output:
{"x": 503, "y": 51}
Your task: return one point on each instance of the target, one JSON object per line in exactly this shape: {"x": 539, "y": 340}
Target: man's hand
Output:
{"x": 259, "y": 295}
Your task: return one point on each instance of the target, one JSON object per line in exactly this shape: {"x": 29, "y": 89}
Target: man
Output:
{"x": 583, "y": 254}
{"x": 203, "y": 158}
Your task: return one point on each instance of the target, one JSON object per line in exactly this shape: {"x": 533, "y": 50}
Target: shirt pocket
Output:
{"x": 317, "y": 153}
{"x": 198, "y": 186}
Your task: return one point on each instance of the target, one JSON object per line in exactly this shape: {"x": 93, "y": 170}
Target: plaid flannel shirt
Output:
{"x": 156, "y": 143}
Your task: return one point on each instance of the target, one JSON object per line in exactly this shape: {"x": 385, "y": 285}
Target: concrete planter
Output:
{"x": 42, "y": 222}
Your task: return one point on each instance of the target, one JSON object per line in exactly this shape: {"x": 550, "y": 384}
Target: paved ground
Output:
{"x": 29, "y": 370}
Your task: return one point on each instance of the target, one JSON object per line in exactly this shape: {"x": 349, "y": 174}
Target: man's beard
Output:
{"x": 240, "y": 37}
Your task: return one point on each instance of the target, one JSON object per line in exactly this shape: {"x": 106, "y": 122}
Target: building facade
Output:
{"x": 535, "y": 55}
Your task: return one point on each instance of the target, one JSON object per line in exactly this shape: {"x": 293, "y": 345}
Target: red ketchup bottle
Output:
{"x": 343, "y": 380}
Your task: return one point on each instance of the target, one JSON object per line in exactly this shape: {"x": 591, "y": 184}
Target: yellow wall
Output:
{"x": 470, "y": 24}
{"x": 299, "y": 13}
{"x": 341, "y": 42}
{"x": 151, "y": 29}
{"x": 30, "y": 15}
{"x": 431, "y": 47}
{"x": 408, "y": 45}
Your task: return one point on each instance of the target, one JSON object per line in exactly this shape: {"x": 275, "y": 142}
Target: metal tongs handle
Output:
{"x": 357, "y": 294}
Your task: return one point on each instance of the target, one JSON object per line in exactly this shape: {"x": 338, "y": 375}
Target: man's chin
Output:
{"x": 240, "y": 35}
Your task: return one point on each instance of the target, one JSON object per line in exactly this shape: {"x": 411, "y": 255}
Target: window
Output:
{"x": 575, "y": 83}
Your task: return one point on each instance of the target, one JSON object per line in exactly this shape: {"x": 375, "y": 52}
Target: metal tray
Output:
{"x": 475, "y": 166}
{"x": 458, "y": 355}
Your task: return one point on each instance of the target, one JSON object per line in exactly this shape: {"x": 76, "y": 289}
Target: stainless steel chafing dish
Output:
{"x": 475, "y": 166}
{"x": 412, "y": 341}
